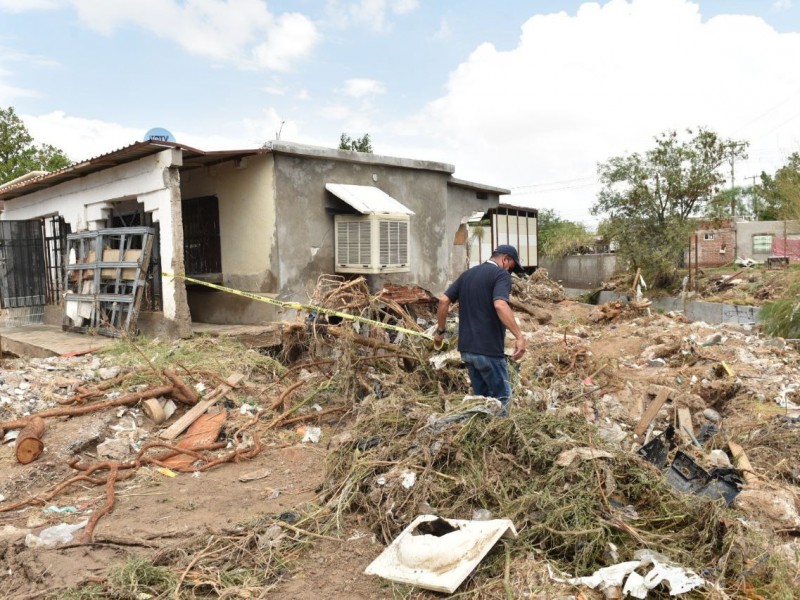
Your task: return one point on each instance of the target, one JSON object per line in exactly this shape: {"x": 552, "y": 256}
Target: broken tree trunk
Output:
{"x": 72, "y": 411}
{"x": 182, "y": 392}
{"x": 542, "y": 316}
{"x": 29, "y": 441}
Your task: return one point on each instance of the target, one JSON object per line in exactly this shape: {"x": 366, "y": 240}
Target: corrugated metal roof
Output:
{"x": 368, "y": 200}
{"x": 192, "y": 157}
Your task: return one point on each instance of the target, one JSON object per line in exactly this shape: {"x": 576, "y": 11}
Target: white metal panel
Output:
{"x": 368, "y": 200}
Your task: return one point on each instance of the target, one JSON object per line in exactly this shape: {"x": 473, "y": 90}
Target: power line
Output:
{"x": 575, "y": 180}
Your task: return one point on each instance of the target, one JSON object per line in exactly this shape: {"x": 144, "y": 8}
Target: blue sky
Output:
{"x": 527, "y": 95}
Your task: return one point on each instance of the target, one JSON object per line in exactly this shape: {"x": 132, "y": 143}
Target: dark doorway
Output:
{"x": 201, "y": 245}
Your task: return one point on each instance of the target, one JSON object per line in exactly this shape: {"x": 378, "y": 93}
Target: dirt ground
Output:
{"x": 610, "y": 368}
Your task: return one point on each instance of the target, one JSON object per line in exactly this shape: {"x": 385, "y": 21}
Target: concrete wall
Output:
{"x": 462, "y": 203}
{"x": 585, "y": 271}
{"x": 746, "y": 231}
{"x": 708, "y": 312}
{"x": 305, "y": 216}
{"x": 85, "y": 203}
{"x": 245, "y": 191}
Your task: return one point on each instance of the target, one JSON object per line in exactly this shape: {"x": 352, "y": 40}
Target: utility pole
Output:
{"x": 734, "y": 146}
{"x": 733, "y": 188}
{"x": 754, "y": 197}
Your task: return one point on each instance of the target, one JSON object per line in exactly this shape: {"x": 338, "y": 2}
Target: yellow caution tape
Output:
{"x": 167, "y": 472}
{"x": 303, "y": 307}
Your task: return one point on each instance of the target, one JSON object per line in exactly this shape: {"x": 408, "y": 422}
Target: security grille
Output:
{"x": 23, "y": 272}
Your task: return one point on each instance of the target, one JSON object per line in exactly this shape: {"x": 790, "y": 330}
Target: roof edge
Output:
{"x": 480, "y": 187}
{"x": 280, "y": 147}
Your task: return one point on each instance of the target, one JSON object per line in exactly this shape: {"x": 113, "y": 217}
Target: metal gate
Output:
{"x": 55, "y": 243}
{"x": 23, "y": 271}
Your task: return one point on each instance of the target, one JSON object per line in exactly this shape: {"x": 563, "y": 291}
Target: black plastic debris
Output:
{"x": 707, "y": 431}
{"x": 656, "y": 450}
{"x": 687, "y": 476}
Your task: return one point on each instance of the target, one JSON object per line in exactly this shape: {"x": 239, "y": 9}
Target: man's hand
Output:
{"x": 438, "y": 341}
{"x": 519, "y": 348}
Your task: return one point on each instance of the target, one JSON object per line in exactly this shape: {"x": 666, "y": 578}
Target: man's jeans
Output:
{"x": 489, "y": 377}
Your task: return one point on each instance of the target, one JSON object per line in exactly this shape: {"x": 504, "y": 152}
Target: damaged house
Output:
{"x": 269, "y": 221}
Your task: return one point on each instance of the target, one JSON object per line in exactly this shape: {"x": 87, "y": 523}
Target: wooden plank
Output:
{"x": 174, "y": 430}
{"x": 743, "y": 463}
{"x": 651, "y": 411}
{"x": 685, "y": 424}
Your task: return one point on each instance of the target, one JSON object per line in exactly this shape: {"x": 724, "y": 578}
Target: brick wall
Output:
{"x": 715, "y": 247}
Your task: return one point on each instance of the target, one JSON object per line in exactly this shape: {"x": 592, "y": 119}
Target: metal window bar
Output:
{"x": 54, "y": 231}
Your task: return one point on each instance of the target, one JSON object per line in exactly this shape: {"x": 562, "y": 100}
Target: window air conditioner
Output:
{"x": 371, "y": 243}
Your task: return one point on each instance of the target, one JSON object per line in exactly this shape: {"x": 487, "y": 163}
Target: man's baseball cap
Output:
{"x": 511, "y": 252}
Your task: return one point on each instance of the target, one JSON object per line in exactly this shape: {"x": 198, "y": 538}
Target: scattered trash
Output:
{"x": 64, "y": 510}
{"x": 678, "y": 579}
{"x": 409, "y": 478}
{"x": 687, "y": 476}
{"x": 310, "y": 434}
{"x": 58, "y": 534}
{"x": 255, "y": 475}
{"x": 577, "y": 455}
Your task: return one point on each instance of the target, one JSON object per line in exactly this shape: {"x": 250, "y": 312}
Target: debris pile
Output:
{"x": 642, "y": 454}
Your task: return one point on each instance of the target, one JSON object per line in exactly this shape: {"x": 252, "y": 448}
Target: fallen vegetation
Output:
{"x": 346, "y": 432}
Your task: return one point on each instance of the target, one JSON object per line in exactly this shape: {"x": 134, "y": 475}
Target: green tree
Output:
{"x": 558, "y": 237}
{"x": 778, "y": 196}
{"x": 18, "y": 153}
{"x": 649, "y": 199}
{"x": 362, "y": 144}
{"x": 719, "y": 207}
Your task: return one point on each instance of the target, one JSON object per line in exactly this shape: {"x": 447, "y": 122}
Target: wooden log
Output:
{"x": 182, "y": 392}
{"x": 29, "y": 441}
{"x": 685, "y": 428}
{"x": 174, "y": 430}
{"x": 542, "y": 316}
{"x": 743, "y": 463}
{"x": 651, "y": 411}
{"x": 72, "y": 411}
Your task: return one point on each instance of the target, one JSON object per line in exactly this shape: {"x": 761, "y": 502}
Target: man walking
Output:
{"x": 484, "y": 314}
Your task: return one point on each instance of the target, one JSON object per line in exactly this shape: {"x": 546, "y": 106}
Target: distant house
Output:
{"x": 721, "y": 242}
{"x": 269, "y": 221}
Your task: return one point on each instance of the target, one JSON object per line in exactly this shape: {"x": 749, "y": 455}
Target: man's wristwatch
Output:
{"x": 440, "y": 331}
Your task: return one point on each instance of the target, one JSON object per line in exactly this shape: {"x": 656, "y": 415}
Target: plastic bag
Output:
{"x": 57, "y": 534}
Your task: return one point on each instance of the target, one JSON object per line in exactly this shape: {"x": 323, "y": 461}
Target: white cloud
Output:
{"x": 444, "y": 32}
{"x": 359, "y": 88}
{"x": 241, "y": 32}
{"x": 372, "y": 14}
{"x": 18, "y": 6}
{"x": 8, "y": 92}
{"x": 782, "y": 4}
{"x": 581, "y": 88}
{"x": 80, "y": 138}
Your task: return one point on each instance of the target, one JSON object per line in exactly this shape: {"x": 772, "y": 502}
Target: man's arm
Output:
{"x": 506, "y": 316}
{"x": 441, "y": 319}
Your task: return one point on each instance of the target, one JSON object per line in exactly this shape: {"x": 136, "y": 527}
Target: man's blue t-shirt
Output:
{"x": 480, "y": 330}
